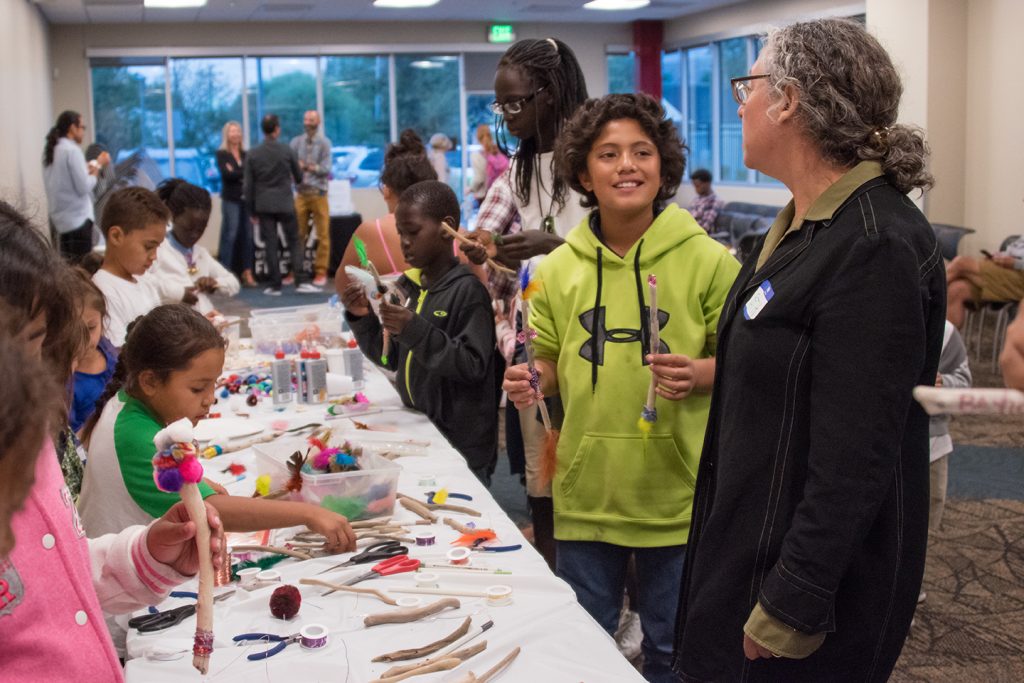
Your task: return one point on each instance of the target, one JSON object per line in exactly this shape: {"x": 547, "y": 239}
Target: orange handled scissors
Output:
{"x": 396, "y": 565}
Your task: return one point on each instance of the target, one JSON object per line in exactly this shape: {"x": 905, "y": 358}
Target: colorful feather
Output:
{"x": 360, "y": 246}
{"x": 528, "y": 285}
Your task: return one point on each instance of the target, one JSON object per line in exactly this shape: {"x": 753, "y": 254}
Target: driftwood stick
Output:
{"x": 270, "y": 549}
{"x": 458, "y": 526}
{"x": 441, "y": 591}
{"x": 465, "y": 240}
{"x": 439, "y": 665}
{"x": 193, "y": 501}
{"x": 453, "y": 508}
{"x": 413, "y": 653}
{"x": 492, "y": 672}
{"x": 380, "y": 530}
{"x": 417, "y": 508}
{"x": 365, "y": 540}
{"x": 461, "y": 655}
{"x": 380, "y": 595}
{"x": 370, "y": 523}
{"x": 404, "y": 616}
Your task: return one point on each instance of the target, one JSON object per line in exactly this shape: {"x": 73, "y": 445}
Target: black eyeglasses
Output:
{"x": 515, "y": 106}
{"x": 741, "y": 87}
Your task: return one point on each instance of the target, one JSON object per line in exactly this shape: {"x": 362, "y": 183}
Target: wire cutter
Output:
{"x": 280, "y": 643}
{"x": 396, "y": 565}
{"x": 149, "y": 623}
{"x": 372, "y": 553}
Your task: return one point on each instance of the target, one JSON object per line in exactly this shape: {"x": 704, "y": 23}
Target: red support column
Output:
{"x": 648, "y": 38}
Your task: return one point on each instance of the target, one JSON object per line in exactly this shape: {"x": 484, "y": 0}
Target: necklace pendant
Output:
{"x": 549, "y": 225}
{"x": 192, "y": 270}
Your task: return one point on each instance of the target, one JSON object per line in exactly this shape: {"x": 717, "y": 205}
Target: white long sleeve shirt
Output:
{"x": 69, "y": 187}
{"x": 126, "y": 301}
{"x": 170, "y": 274}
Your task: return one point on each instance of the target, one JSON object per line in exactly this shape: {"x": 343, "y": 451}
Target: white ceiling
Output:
{"x": 511, "y": 11}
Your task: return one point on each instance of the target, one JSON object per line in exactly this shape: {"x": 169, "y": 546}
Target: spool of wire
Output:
{"x": 425, "y": 538}
{"x": 499, "y": 596}
{"x": 313, "y": 636}
{"x": 458, "y": 556}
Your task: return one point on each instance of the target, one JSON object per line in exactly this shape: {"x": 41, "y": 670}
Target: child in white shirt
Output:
{"x": 184, "y": 270}
{"x": 133, "y": 224}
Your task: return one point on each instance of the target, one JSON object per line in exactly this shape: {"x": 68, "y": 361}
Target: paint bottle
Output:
{"x": 353, "y": 358}
{"x": 281, "y": 377}
{"x": 312, "y": 378}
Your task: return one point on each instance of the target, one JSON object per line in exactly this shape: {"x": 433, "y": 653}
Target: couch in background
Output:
{"x": 739, "y": 224}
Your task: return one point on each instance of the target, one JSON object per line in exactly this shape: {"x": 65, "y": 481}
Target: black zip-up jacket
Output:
{"x": 812, "y": 492}
{"x": 445, "y": 361}
{"x": 269, "y": 172}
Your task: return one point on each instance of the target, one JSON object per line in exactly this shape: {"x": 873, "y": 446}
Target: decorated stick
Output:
{"x": 649, "y": 413}
{"x": 368, "y": 266}
{"x": 548, "y": 460}
{"x": 938, "y": 401}
{"x": 458, "y": 236}
{"x": 176, "y": 469}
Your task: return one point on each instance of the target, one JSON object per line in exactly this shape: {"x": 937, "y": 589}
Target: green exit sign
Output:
{"x": 501, "y": 33}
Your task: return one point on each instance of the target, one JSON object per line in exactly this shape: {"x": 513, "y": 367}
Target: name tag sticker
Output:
{"x": 758, "y": 300}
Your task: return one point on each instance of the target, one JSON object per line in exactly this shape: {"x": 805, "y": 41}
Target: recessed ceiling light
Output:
{"x": 404, "y": 4}
{"x": 613, "y": 5}
{"x": 426, "y": 64}
{"x": 172, "y": 4}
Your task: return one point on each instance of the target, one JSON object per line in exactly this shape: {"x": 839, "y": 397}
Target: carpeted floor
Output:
{"x": 971, "y": 626}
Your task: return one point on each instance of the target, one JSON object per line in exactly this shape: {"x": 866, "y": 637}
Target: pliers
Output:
{"x": 280, "y": 643}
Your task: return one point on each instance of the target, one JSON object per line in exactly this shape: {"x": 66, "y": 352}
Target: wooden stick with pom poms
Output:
{"x": 649, "y": 413}
{"x": 548, "y": 458}
{"x": 176, "y": 469}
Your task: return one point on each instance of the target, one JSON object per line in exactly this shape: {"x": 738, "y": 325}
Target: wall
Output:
{"x": 26, "y": 116}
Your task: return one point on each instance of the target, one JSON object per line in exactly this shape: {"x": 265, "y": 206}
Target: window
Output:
{"x": 205, "y": 94}
{"x": 698, "y": 108}
{"x": 130, "y": 108}
{"x": 672, "y": 88}
{"x": 621, "y": 73}
{"x": 285, "y": 86}
{"x": 427, "y": 87}
{"x": 357, "y": 115}
{"x": 734, "y": 60}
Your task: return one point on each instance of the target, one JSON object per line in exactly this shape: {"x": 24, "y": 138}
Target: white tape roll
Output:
{"x": 499, "y": 596}
{"x": 409, "y": 602}
{"x": 459, "y": 556}
{"x": 426, "y": 580}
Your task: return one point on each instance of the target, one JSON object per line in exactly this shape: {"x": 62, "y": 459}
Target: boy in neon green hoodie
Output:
{"x": 616, "y": 493}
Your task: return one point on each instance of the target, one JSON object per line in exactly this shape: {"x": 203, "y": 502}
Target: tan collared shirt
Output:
{"x": 823, "y": 208}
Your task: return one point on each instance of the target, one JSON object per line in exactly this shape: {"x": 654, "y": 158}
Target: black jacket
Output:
{"x": 270, "y": 171}
{"x": 231, "y": 175}
{"x": 445, "y": 361}
{"x": 812, "y": 492}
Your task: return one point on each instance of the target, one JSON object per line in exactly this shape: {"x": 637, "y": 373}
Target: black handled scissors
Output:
{"x": 149, "y": 623}
{"x": 281, "y": 642}
{"x": 374, "y": 553}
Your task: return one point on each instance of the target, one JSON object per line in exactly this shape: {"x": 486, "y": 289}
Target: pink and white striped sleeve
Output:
{"x": 124, "y": 573}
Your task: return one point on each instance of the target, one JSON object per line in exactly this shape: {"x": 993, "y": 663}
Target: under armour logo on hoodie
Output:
{"x": 592, "y": 350}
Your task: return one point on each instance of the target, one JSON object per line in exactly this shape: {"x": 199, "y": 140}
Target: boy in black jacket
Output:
{"x": 442, "y": 340}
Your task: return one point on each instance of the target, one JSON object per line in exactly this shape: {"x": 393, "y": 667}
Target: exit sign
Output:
{"x": 501, "y": 33}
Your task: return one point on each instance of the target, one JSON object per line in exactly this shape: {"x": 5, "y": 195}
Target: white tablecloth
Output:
{"x": 559, "y": 640}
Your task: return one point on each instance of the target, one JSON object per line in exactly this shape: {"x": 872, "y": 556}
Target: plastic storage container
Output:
{"x": 366, "y": 493}
{"x": 288, "y": 327}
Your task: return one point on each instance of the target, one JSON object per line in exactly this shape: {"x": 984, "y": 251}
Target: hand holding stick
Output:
{"x": 176, "y": 469}
{"x": 458, "y": 236}
{"x": 548, "y": 460}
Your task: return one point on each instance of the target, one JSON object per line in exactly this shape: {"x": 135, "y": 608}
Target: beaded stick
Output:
{"x": 176, "y": 469}
{"x": 649, "y": 413}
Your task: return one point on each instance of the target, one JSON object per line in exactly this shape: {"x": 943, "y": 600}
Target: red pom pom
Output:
{"x": 191, "y": 470}
{"x": 285, "y": 601}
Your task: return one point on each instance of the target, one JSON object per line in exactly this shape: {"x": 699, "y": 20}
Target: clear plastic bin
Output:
{"x": 288, "y": 327}
{"x": 366, "y": 493}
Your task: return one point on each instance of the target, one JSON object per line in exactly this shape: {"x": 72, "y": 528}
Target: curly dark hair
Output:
{"x": 586, "y": 125}
{"x": 406, "y": 163}
{"x": 179, "y": 196}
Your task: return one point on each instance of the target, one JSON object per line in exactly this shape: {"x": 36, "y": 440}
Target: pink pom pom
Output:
{"x": 361, "y": 397}
{"x": 279, "y": 425}
{"x": 168, "y": 480}
{"x": 191, "y": 470}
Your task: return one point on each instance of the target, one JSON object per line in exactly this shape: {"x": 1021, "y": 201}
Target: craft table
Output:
{"x": 559, "y": 640}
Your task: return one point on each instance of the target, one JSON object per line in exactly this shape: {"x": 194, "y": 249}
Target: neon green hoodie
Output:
{"x": 609, "y": 485}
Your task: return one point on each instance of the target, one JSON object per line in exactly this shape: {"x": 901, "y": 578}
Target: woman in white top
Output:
{"x": 184, "y": 270}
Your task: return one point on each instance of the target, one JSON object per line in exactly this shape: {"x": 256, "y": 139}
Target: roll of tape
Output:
{"x": 426, "y": 580}
{"x": 268, "y": 576}
{"x": 498, "y": 596}
{"x": 408, "y": 602}
{"x": 247, "y": 577}
{"x": 459, "y": 556}
{"x": 313, "y": 636}
{"x": 425, "y": 538}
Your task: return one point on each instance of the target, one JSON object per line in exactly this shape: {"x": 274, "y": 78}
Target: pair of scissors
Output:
{"x": 372, "y": 553}
{"x": 396, "y": 565}
{"x": 150, "y": 623}
{"x": 280, "y": 643}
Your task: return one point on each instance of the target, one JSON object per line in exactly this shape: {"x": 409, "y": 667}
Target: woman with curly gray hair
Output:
{"x": 810, "y": 517}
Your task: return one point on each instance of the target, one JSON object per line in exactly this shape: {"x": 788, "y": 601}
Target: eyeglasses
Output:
{"x": 741, "y": 87}
{"x": 514, "y": 107}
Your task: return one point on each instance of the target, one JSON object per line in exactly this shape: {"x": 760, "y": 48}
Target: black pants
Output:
{"x": 77, "y": 243}
{"x": 268, "y": 232}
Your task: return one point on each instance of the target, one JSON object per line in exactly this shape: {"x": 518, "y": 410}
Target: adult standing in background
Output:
{"x": 440, "y": 144}
{"x": 313, "y": 150}
{"x": 488, "y": 163}
{"x": 69, "y": 183}
{"x": 270, "y": 170}
{"x": 235, "y": 230}
{"x": 810, "y": 519}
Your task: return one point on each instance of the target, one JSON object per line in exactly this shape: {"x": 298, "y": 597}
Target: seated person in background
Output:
{"x": 184, "y": 270}
{"x": 405, "y": 164}
{"x": 706, "y": 205}
{"x": 1012, "y": 359}
{"x": 997, "y": 277}
{"x": 134, "y": 224}
{"x": 442, "y": 341}
{"x": 96, "y": 366}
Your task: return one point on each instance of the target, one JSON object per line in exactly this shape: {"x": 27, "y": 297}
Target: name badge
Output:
{"x": 758, "y": 300}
